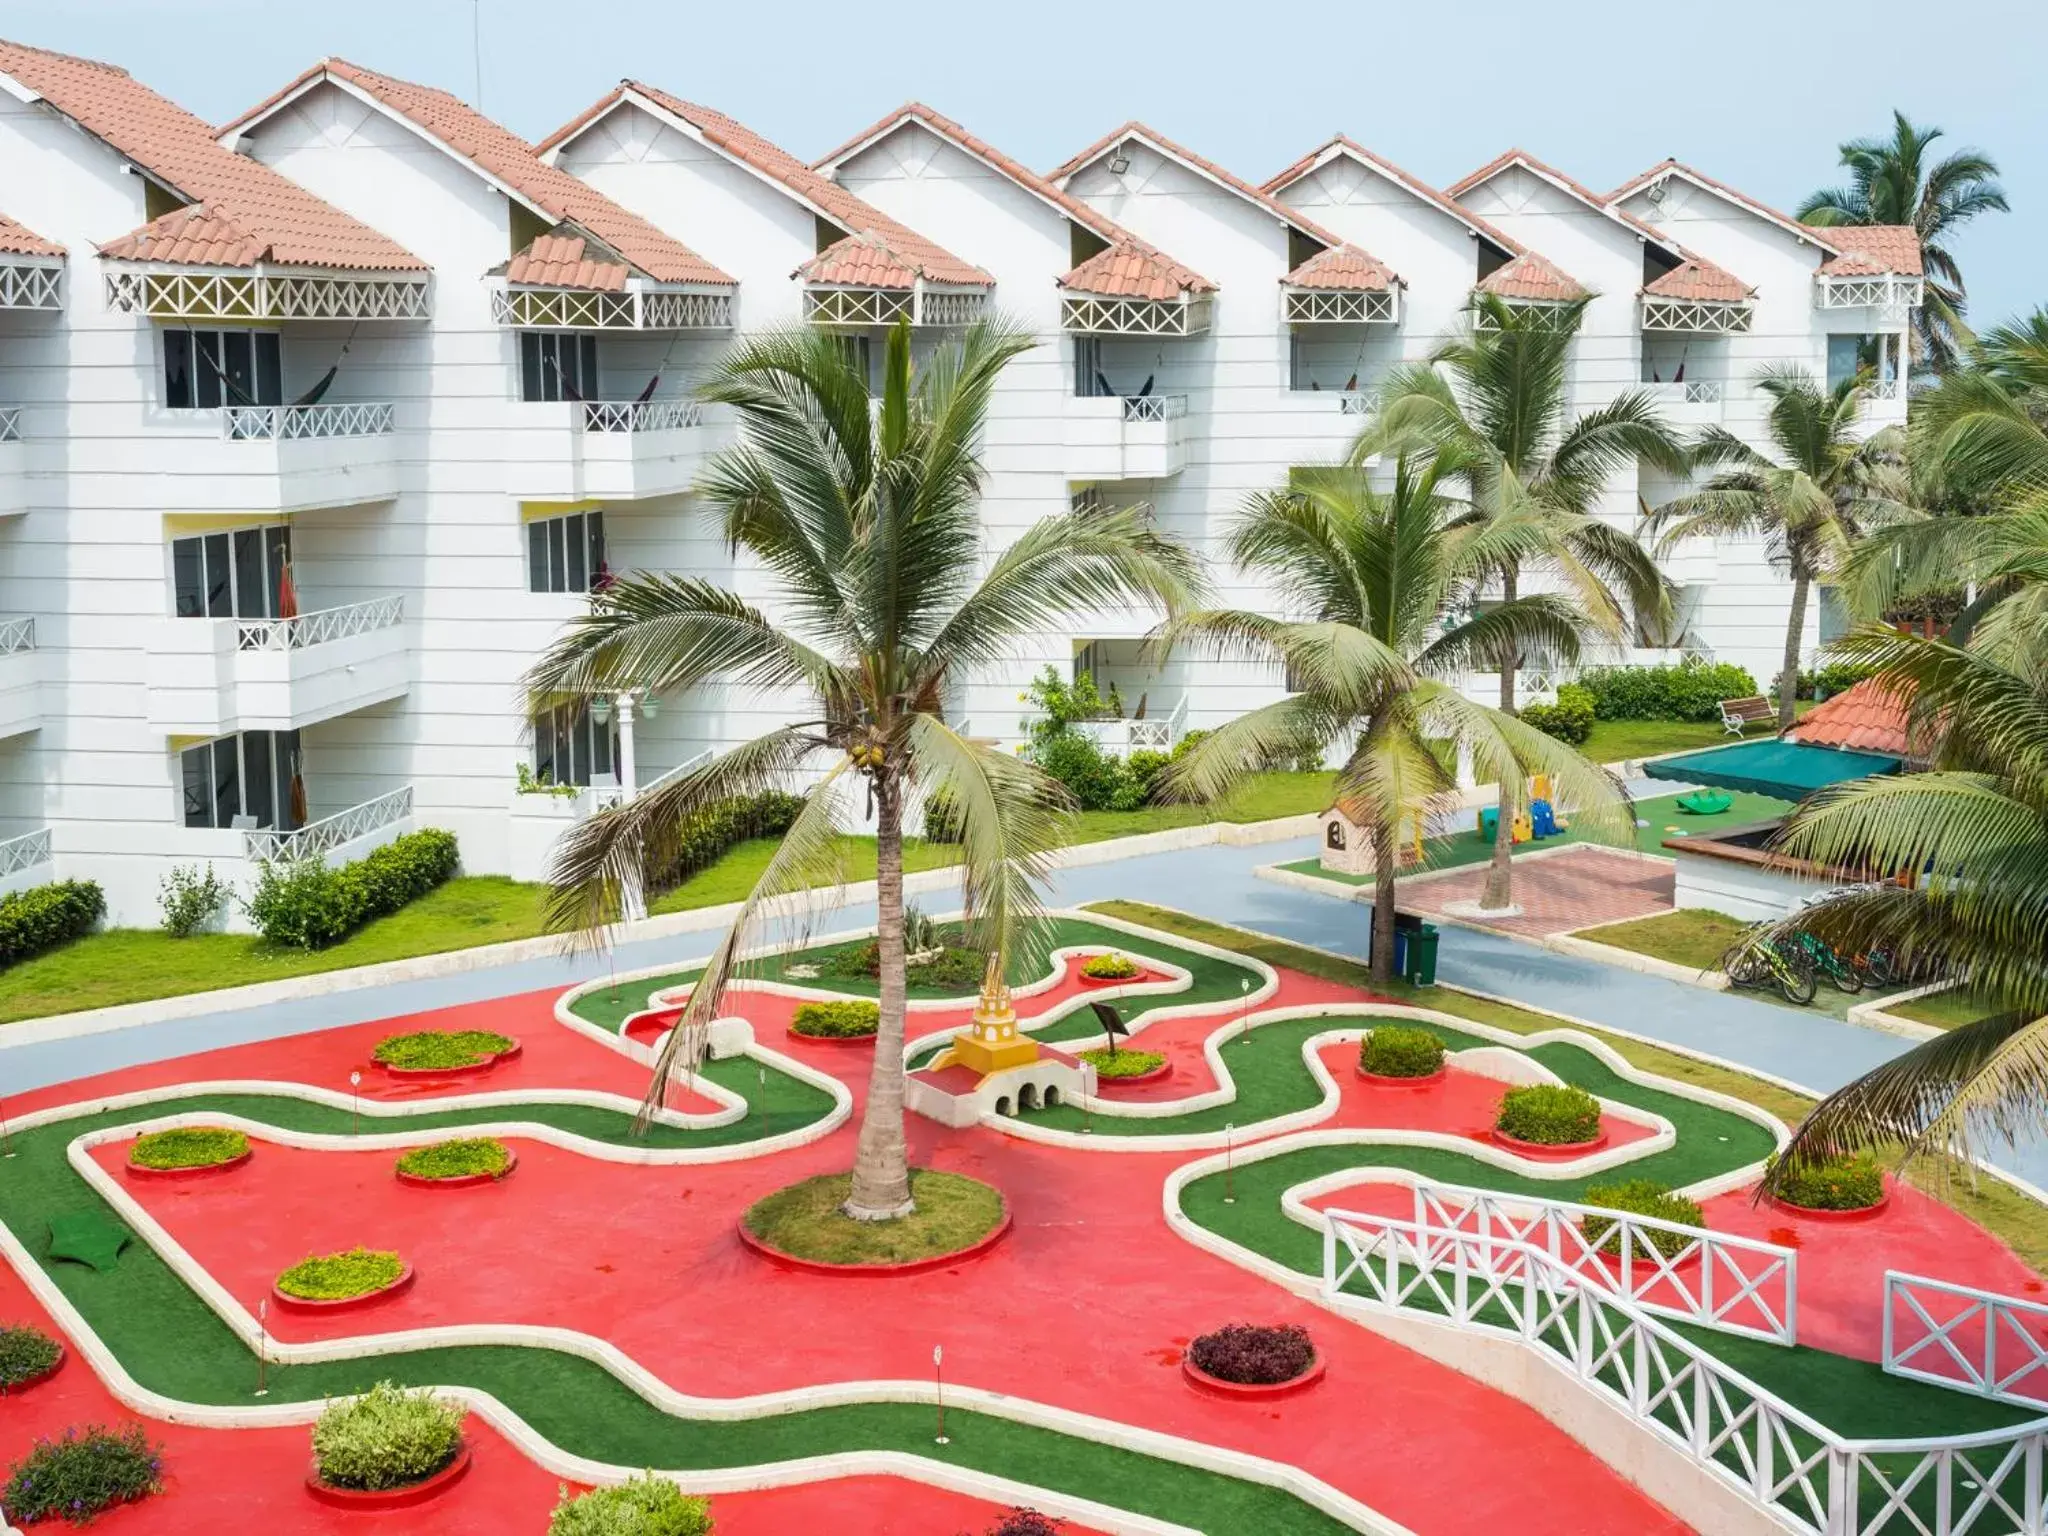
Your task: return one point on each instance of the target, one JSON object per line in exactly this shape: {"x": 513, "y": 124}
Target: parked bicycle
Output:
{"x": 1876, "y": 964}
{"x": 1821, "y": 955}
{"x": 1756, "y": 961}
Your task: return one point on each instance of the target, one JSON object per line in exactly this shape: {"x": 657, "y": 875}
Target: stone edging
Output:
{"x": 1878, "y": 1015}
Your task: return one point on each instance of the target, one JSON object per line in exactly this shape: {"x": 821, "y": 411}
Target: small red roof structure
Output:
{"x": 1131, "y": 269}
{"x": 1532, "y": 277}
{"x": 1698, "y": 280}
{"x": 1345, "y": 268}
{"x": 1869, "y": 717}
{"x": 1868, "y": 249}
{"x": 17, "y": 240}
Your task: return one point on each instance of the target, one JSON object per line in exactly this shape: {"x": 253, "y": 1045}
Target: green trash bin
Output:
{"x": 1421, "y": 957}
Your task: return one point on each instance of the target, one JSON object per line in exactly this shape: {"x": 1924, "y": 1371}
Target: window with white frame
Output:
{"x": 205, "y": 368}
{"x": 235, "y": 574}
{"x": 558, "y": 365}
{"x": 571, "y": 746}
{"x": 253, "y": 774}
{"x": 566, "y": 554}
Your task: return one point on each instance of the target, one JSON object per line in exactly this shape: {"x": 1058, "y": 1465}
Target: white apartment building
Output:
{"x": 315, "y": 429}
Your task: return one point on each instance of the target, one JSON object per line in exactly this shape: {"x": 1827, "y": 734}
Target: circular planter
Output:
{"x": 1381, "y": 1080}
{"x": 460, "y": 1180}
{"x": 1811, "y": 1213}
{"x": 1110, "y": 981}
{"x": 1104, "y": 1084}
{"x": 137, "y": 1171}
{"x": 414, "y": 1074}
{"x": 979, "y": 1246}
{"x": 801, "y": 1038}
{"x": 389, "y": 1498}
{"x": 1541, "y": 1149}
{"x": 342, "y": 1303}
{"x": 1202, "y": 1381}
{"x": 40, "y": 1377}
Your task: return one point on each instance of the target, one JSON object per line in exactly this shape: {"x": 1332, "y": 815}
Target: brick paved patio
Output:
{"x": 1573, "y": 888}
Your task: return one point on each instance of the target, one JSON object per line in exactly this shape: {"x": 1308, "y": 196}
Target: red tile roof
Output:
{"x": 1343, "y": 267}
{"x": 249, "y": 212}
{"x": 1867, "y": 718}
{"x": 16, "y": 240}
{"x": 1696, "y": 278}
{"x": 509, "y": 160}
{"x": 912, "y": 251}
{"x": 1415, "y": 184}
{"x": 1237, "y": 184}
{"x": 1577, "y": 189}
{"x": 1869, "y": 248}
{"x": 867, "y": 261}
{"x": 1131, "y": 269}
{"x": 1530, "y": 276}
{"x": 566, "y": 261}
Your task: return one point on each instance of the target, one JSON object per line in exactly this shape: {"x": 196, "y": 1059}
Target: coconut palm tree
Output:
{"x": 1975, "y": 829}
{"x": 1897, "y": 181}
{"x": 1810, "y": 504}
{"x": 1381, "y": 586}
{"x": 866, "y": 521}
{"x": 1497, "y": 400}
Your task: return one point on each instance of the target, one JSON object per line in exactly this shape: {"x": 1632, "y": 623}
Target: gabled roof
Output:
{"x": 1700, "y": 281}
{"x": 1872, "y": 248}
{"x": 1530, "y": 276}
{"x": 1338, "y": 145}
{"x": 1866, "y": 718}
{"x": 1345, "y": 268}
{"x": 1131, "y": 269}
{"x": 822, "y": 196}
{"x": 246, "y": 212}
{"x": 1522, "y": 159}
{"x": 18, "y": 240}
{"x": 506, "y": 161}
{"x": 1668, "y": 168}
{"x": 1205, "y": 168}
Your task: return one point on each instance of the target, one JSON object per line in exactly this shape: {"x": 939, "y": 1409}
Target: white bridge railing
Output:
{"x": 17, "y": 634}
{"x": 641, "y": 415}
{"x": 1972, "y": 1340}
{"x": 251, "y": 423}
{"x": 10, "y": 423}
{"x": 25, "y": 851}
{"x": 1155, "y": 407}
{"x": 320, "y": 626}
{"x": 329, "y": 833}
{"x": 1798, "y": 1473}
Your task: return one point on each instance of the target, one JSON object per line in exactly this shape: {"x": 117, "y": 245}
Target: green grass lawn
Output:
{"x": 1946, "y": 1010}
{"x": 1693, "y": 937}
{"x": 1614, "y": 740}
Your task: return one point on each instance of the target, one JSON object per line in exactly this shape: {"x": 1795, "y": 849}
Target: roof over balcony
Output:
{"x": 1865, "y": 250}
{"x": 1345, "y": 268}
{"x": 1131, "y": 269}
{"x": 1697, "y": 280}
{"x": 31, "y": 269}
{"x": 1532, "y": 279}
{"x": 19, "y": 240}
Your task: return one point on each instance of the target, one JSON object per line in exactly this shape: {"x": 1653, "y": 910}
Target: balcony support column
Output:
{"x": 633, "y": 899}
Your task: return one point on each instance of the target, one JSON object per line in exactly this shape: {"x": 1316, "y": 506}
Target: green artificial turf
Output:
{"x": 1693, "y": 936}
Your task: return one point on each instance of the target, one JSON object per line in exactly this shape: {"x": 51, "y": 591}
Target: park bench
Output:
{"x": 1738, "y": 715}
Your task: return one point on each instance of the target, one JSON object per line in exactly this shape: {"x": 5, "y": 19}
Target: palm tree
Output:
{"x": 1497, "y": 399}
{"x": 866, "y": 521}
{"x": 1976, "y": 830}
{"x": 1891, "y": 181}
{"x": 1810, "y": 504}
{"x": 1375, "y": 579}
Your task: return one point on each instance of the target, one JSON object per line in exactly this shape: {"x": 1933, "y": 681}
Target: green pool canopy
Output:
{"x": 1786, "y": 770}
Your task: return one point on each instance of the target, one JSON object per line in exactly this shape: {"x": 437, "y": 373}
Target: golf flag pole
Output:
{"x": 939, "y": 1389}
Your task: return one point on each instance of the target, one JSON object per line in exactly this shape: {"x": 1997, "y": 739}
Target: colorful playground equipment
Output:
{"x": 1539, "y": 821}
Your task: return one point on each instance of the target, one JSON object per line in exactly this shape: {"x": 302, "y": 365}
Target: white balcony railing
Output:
{"x": 320, "y": 626}
{"x": 1886, "y": 389}
{"x": 1155, "y": 733}
{"x": 25, "y": 852}
{"x": 1155, "y": 407}
{"x": 1972, "y": 1340}
{"x": 291, "y": 423}
{"x": 641, "y": 415}
{"x": 1685, "y": 391}
{"x": 1354, "y": 403}
{"x": 17, "y": 635}
{"x": 10, "y": 423}
{"x": 329, "y": 833}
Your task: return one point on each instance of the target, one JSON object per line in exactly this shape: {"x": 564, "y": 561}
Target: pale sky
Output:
{"x": 1755, "y": 92}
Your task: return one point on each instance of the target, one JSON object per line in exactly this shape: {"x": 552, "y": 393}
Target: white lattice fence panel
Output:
{"x": 25, "y": 852}
{"x": 857, "y": 306}
{"x": 10, "y": 423}
{"x": 203, "y": 295}
{"x": 1959, "y": 1336}
{"x": 319, "y": 837}
{"x": 1696, "y": 316}
{"x": 292, "y": 423}
{"x": 1092, "y": 315}
{"x": 951, "y": 307}
{"x": 17, "y": 634}
{"x": 665, "y": 311}
{"x": 641, "y": 415}
{"x": 28, "y": 286}
{"x": 320, "y": 626}
{"x": 1155, "y": 407}
{"x": 1324, "y": 306}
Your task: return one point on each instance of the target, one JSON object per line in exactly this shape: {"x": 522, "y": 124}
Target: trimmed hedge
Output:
{"x": 1640, "y": 1197}
{"x": 338, "y": 1276}
{"x": 387, "y": 1438}
{"x": 1692, "y": 690}
{"x": 645, "y": 1506}
{"x": 459, "y": 1159}
{"x": 1549, "y": 1114}
{"x": 83, "y": 1473}
{"x": 703, "y": 837}
{"x": 842, "y": 1019}
{"x": 305, "y": 904}
{"x": 25, "y": 1353}
{"x": 1110, "y": 967}
{"x": 191, "y": 1146}
{"x": 1125, "y": 1063}
{"x": 440, "y": 1049}
{"x": 1838, "y": 1184}
{"x": 44, "y": 916}
{"x": 1569, "y": 720}
{"x": 1395, "y": 1050}
{"x": 1254, "y": 1356}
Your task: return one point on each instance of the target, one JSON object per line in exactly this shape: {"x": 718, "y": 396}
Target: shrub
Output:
{"x": 1834, "y": 1184}
{"x": 1144, "y": 769}
{"x": 431, "y": 1050}
{"x": 1254, "y": 1356}
{"x": 25, "y": 1353}
{"x": 847, "y": 1019}
{"x": 1110, "y": 967}
{"x": 1836, "y": 677}
{"x": 1026, "y": 1522}
{"x": 337, "y": 1276}
{"x": 1394, "y": 1050}
{"x": 1549, "y": 1114}
{"x": 955, "y": 969}
{"x": 44, "y": 916}
{"x": 1641, "y": 1197}
{"x": 645, "y": 1506}
{"x": 1188, "y": 743}
{"x": 191, "y": 899}
{"x": 191, "y": 1146}
{"x": 387, "y": 1438}
{"x": 460, "y": 1159}
{"x": 85, "y": 1472}
{"x": 303, "y": 903}
{"x": 1124, "y": 1063}
{"x": 700, "y": 839}
{"x": 1692, "y": 690}
{"x": 1570, "y": 719}
{"x": 1089, "y": 774}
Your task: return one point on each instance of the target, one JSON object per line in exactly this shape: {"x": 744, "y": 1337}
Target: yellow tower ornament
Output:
{"x": 991, "y": 1040}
